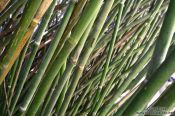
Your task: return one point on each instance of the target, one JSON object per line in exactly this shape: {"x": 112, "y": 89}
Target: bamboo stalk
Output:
{"x": 167, "y": 32}
{"x": 84, "y": 57}
{"x": 25, "y": 72}
{"x": 72, "y": 63}
{"x": 91, "y": 42}
{"x": 163, "y": 72}
{"x": 73, "y": 20}
{"x": 169, "y": 21}
{"x": 142, "y": 32}
{"x": 20, "y": 39}
{"x": 167, "y": 100}
{"x": 36, "y": 80}
{"x": 111, "y": 47}
{"x": 68, "y": 47}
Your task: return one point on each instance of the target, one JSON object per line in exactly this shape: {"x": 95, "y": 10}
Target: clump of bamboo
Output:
{"x": 85, "y": 57}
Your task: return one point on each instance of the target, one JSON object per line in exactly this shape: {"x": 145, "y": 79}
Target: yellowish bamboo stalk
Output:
{"x": 42, "y": 9}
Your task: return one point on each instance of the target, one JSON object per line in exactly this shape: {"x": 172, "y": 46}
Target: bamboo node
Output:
{"x": 34, "y": 22}
{"x": 70, "y": 41}
{"x": 146, "y": 24}
{"x": 94, "y": 114}
{"x": 122, "y": 2}
{"x": 159, "y": 26}
{"x": 22, "y": 109}
{"x": 9, "y": 87}
{"x": 37, "y": 43}
{"x": 81, "y": 67}
{"x": 100, "y": 87}
{"x": 147, "y": 36}
{"x": 73, "y": 60}
{"x": 145, "y": 81}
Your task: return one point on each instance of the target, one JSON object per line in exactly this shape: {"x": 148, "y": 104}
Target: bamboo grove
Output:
{"x": 86, "y": 57}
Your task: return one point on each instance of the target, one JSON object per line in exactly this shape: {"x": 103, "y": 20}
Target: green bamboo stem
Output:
{"x": 9, "y": 84}
{"x": 12, "y": 74}
{"x": 136, "y": 8}
{"x": 127, "y": 7}
{"x": 61, "y": 98}
{"x": 154, "y": 25}
{"x": 38, "y": 38}
{"x": 37, "y": 78}
{"x": 169, "y": 21}
{"x": 115, "y": 63}
{"x": 73, "y": 20}
{"x": 167, "y": 32}
{"x": 152, "y": 39}
{"x": 30, "y": 11}
{"x": 111, "y": 47}
{"x": 116, "y": 84}
{"x": 16, "y": 76}
{"x": 138, "y": 77}
{"x": 107, "y": 37}
{"x": 53, "y": 88}
{"x": 80, "y": 100}
{"x": 109, "y": 21}
{"x": 153, "y": 85}
{"x": 138, "y": 20}
{"x": 105, "y": 58}
{"x": 86, "y": 53}
{"x": 72, "y": 63}
{"x": 97, "y": 76}
{"x": 108, "y": 105}
{"x": 122, "y": 108}
{"x": 118, "y": 43}
{"x": 134, "y": 58}
{"x": 134, "y": 15}
{"x": 117, "y": 72}
{"x": 121, "y": 53}
{"x": 70, "y": 44}
{"x": 130, "y": 61}
{"x": 167, "y": 100}
{"x": 172, "y": 46}
{"x": 19, "y": 66}
{"x": 48, "y": 98}
{"x": 137, "y": 68}
{"x": 126, "y": 82}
